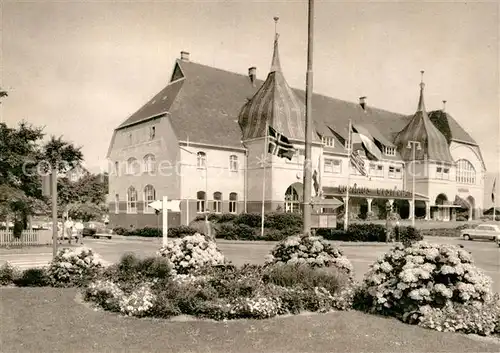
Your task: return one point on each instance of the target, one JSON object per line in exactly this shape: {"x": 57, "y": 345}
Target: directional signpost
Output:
{"x": 320, "y": 219}
{"x": 164, "y": 206}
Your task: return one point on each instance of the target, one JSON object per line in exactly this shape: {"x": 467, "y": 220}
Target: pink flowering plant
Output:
{"x": 191, "y": 253}
{"x": 407, "y": 280}
{"x": 311, "y": 250}
{"x": 74, "y": 267}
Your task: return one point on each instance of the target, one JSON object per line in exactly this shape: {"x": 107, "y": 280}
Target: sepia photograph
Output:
{"x": 249, "y": 176}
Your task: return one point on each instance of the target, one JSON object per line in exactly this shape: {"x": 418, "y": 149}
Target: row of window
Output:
{"x": 201, "y": 202}
{"x": 149, "y": 195}
{"x": 201, "y": 161}
{"x": 148, "y": 164}
{"x": 334, "y": 166}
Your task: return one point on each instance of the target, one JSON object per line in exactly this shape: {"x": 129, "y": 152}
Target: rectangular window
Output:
{"x": 442, "y": 173}
{"x": 217, "y": 206}
{"x": 328, "y": 141}
{"x": 200, "y": 206}
{"x": 376, "y": 170}
{"x": 390, "y": 151}
{"x": 232, "y": 206}
{"x": 117, "y": 203}
{"x": 233, "y": 163}
{"x": 333, "y": 166}
{"x": 152, "y": 132}
{"x": 395, "y": 172}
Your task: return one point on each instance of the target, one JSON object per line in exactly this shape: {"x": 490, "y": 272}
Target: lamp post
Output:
{"x": 414, "y": 146}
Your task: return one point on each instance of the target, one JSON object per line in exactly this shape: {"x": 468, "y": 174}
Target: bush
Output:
{"x": 190, "y": 253}
{"x": 252, "y": 220}
{"x": 181, "y": 231}
{"x": 366, "y": 232}
{"x": 407, "y": 279}
{"x": 74, "y": 267}
{"x": 105, "y": 293}
{"x": 314, "y": 251}
{"x": 467, "y": 318}
{"x": 120, "y": 231}
{"x": 407, "y": 235}
{"x": 149, "y": 232}
{"x": 32, "y": 277}
{"x": 8, "y": 274}
{"x": 305, "y": 277}
{"x": 282, "y": 221}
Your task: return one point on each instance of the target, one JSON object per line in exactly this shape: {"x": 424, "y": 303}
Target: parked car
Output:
{"x": 482, "y": 231}
{"x": 96, "y": 230}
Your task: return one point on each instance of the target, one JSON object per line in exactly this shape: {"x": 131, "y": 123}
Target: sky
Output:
{"x": 80, "y": 68}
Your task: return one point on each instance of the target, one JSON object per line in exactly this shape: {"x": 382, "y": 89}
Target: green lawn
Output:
{"x": 53, "y": 320}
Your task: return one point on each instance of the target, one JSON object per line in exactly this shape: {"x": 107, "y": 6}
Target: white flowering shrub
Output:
{"x": 74, "y": 267}
{"x": 311, "y": 250}
{"x": 191, "y": 253}
{"x": 104, "y": 293}
{"x": 137, "y": 303}
{"x": 406, "y": 279}
{"x": 482, "y": 319}
{"x": 256, "y": 308}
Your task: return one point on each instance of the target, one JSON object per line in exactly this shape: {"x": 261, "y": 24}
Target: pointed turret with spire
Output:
{"x": 274, "y": 102}
{"x": 421, "y": 129}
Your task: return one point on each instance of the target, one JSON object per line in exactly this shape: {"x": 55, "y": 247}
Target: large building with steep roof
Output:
{"x": 201, "y": 140}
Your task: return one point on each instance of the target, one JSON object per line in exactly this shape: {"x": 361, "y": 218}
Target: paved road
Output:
{"x": 485, "y": 253}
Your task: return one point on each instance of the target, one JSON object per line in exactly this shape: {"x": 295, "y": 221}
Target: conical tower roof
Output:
{"x": 276, "y": 103}
{"x": 434, "y": 145}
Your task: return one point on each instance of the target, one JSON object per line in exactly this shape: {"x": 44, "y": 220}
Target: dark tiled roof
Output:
{"x": 449, "y": 127}
{"x": 204, "y": 107}
{"x": 159, "y": 104}
{"x": 207, "y": 107}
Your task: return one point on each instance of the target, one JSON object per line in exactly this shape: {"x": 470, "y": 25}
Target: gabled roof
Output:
{"x": 158, "y": 105}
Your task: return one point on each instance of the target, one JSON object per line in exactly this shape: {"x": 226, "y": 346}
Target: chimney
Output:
{"x": 184, "y": 55}
{"x": 252, "y": 73}
{"x": 444, "y": 106}
{"x": 362, "y": 102}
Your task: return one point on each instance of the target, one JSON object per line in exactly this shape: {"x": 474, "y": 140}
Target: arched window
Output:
{"x": 131, "y": 200}
{"x": 201, "y": 160}
{"x": 233, "y": 163}
{"x": 217, "y": 202}
{"x": 117, "y": 169}
{"x": 200, "y": 203}
{"x": 149, "y": 196}
{"x": 233, "y": 200}
{"x": 292, "y": 203}
{"x": 466, "y": 174}
{"x": 133, "y": 166}
{"x": 149, "y": 163}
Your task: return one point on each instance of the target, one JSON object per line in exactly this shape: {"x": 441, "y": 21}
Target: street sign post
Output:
{"x": 164, "y": 206}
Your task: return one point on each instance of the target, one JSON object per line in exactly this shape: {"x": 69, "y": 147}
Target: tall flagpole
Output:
{"x": 309, "y": 89}
{"x": 349, "y": 151}
{"x": 264, "y": 161}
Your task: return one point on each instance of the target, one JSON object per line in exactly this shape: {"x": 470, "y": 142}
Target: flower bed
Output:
{"x": 415, "y": 283}
{"x": 219, "y": 291}
{"x": 191, "y": 252}
{"x": 311, "y": 250}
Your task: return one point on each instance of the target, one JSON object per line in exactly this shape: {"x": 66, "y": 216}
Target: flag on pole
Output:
{"x": 358, "y": 163}
{"x": 494, "y": 191}
{"x": 279, "y": 145}
{"x": 315, "y": 182}
{"x": 367, "y": 141}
